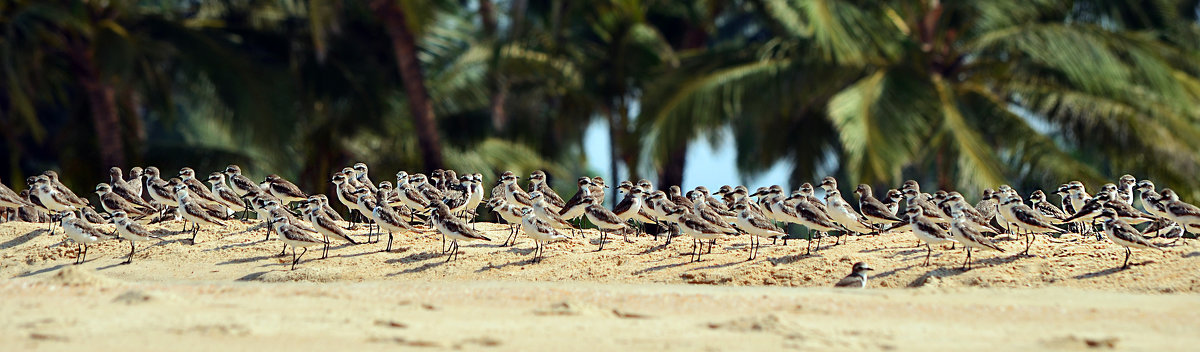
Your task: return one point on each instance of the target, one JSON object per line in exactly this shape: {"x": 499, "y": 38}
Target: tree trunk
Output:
{"x": 672, "y": 172}
{"x": 102, "y": 104}
{"x": 487, "y": 15}
{"x": 405, "y": 48}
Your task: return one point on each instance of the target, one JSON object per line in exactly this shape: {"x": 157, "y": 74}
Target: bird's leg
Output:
{"x": 602, "y": 236}
{"x": 710, "y": 245}
{"x": 967, "y": 263}
{"x": 389, "y": 246}
{"x": 1123, "y": 266}
{"x": 284, "y": 251}
{"x": 195, "y": 230}
{"x": 270, "y": 225}
{"x": 294, "y": 257}
{"x": 131, "y": 249}
{"x": 928, "y": 253}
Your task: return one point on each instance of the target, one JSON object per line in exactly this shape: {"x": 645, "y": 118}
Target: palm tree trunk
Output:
{"x": 102, "y": 103}
{"x": 405, "y": 48}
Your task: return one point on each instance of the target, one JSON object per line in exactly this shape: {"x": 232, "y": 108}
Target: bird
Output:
{"x": 1023, "y": 217}
{"x": 1124, "y": 234}
{"x": 11, "y": 199}
{"x": 82, "y": 233}
{"x": 926, "y": 230}
{"x": 113, "y": 203}
{"x": 539, "y": 231}
{"x": 131, "y": 231}
{"x": 448, "y": 225}
{"x": 192, "y": 211}
{"x": 841, "y": 211}
{"x": 812, "y": 216}
{"x": 555, "y": 220}
{"x": 344, "y": 193}
{"x": 61, "y": 188}
{"x": 286, "y": 191}
{"x": 857, "y": 277}
{"x": 512, "y": 215}
{"x": 293, "y": 236}
{"x": 603, "y": 218}
{"x": 51, "y": 198}
{"x": 389, "y": 220}
{"x": 629, "y": 206}
{"x": 365, "y": 204}
{"x": 892, "y": 201}
{"x": 756, "y": 225}
{"x": 223, "y": 193}
{"x": 537, "y": 182}
{"x": 871, "y": 208}
{"x": 124, "y": 188}
{"x": 914, "y": 198}
{"x": 324, "y": 224}
{"x": 240, "y": 184}
{"x": 962, "y": 231}
{"x": 699, "y": 229}
{"x": 1038, "y": 199}
{"x": 361, "y": 174}
{"x": 597, "y": 188}
{"x": 1126, "y": 184}
{"x": 1185, "y": 214}
{"x": 135, "y": 181}
{"x": 574, "y": 207}
{"x": 160, "y": 191}
{"x": 196, "y": 188}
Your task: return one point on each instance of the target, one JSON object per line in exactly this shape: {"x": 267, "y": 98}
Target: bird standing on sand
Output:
{"x": 857, "y": 277}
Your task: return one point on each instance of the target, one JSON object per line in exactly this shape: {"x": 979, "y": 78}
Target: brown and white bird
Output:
{"x": 857, "y": 277}
{"x": 136, "y": 181}
{"x": 113, "y": 203}
{"x": 756, "y": 225}
{"x": 286, "y": 191}
{"x": 196, "y": 188}
{"x": 223, "y": 193}
{"x": 130, "y": 231}
{"x": 604, "y": 219}
{"x": 240, "y": 184}
{"x": 1051, "y": 211}
{"x": 574, "y": 207}
{"x": 61, "y": 188}
{"x": 962, "y": 230}
{"x": 538, "y": 182}
{"x": 294, "y": 236}
{"x": 192, "y": 211}
{"x": 539, "y": 231}
{"x": 699, "y": 229}
{"x": 390, "y": 221}
{"x": 10, "y": 199}
{"x": 1023, "y": 217}
{"x": 1124, "y": 234}
{"x": 450, "y": 226}
{"x": 1184, "y": 214}
{"x": 512, "y": 215}
{"x": 871, "y": 208}
{"x": 82, "y": 233}
{"x": 926, "y": 230}
{"x": 325, "y": 225}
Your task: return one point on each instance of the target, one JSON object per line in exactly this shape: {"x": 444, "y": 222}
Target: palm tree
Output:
{"x": 972, "y": 93}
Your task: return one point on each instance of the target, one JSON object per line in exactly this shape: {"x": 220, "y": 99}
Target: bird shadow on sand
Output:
{"x": 42, "y": 271}
{"x": 414, "y": 257}
{"x": 527, "y": 261}
{"x": 427, "y": 266}
{"x": 661, "y": 267}
{"x": 251, "y": 259}
{"x": 113, "y": 265}
{"x": 718, "y": 266}
{"x": 22, "y": 238}
{"x": 884, "y": 274}
{"x": 788, "y": 259}
{"x": 939, "y": 272}
{"x": 1109, "y": 271}
{"x": 1189, "y": 255}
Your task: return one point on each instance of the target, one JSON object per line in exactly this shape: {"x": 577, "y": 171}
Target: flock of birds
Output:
{"x": 448, "y": 203}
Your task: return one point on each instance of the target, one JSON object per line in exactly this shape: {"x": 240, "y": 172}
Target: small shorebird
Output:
{"x": 926, "y": 230}
{"x": 196, "y": 188}
{"x": 325, "y": 225}
{"x": 130, "y": 231}
{"x": 344, "y": 192}
{"x": 135, "y": 181}
{"x": 845, "y": 215}
{"x": 365, "y": 203}
{"x": 1185, "y": 214}
{"x": 875, "y": 211}
{"x": 1124, "y": 234}
{"x": 389, "y": 220}
{"x": 574, "y": 207}
{"x": 963, "y": 231}
{"x": 240, "y": 184}
{"x": 227, "y": 197}
{"x": 892, "y": 201}
{"x": 362, "y": 175}
{"x": 605, "y": 220}
{"x": 597, "y": 188}
{"x": 192, "y": 211}
{"x": 1126, "y": 184}
{"x": 125, "y": 189}
{"x": 58, "y": 186}
{"x": 293, "y": 236}
{"x": 551, "y": 218}
{"x": 113, "y": 203}
{"x": 539, "y": 231}
{"x": 82, "y": 233}
{"x": 511, "y": 215}
{"x": 857, "y": 277}
{"x": 1023, "y": 217}
{"x": 537, "y": 182}
{"x": 756, "y": 225}
{"x": 630, "y": 206}
{"x": 448, "y": 225}
{"x": 812, "y": 216}
{"x": 51, "y": 198}
{"x": 10, "y": 199}
{"x": 699, "y": 229}
{"x": 286, "y": 191}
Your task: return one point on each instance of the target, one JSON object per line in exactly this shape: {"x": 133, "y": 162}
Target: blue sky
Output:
{"x": 705, "y": 166}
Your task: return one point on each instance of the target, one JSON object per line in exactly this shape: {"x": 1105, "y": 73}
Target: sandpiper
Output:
{"x": 1124, "y": 234}
{"x": 874, "y": 210}
{"x": 857, "y": 277}
{"x": 963, "y": 231}
{"x": 1126, "y": 184}
{"x": 221, "y": 191}
{"x": 389, "y": 220}
{"x": 192, "y": 211}
{"x": 537, "y": 182}
{"x": 926, "y": 230}
{"x": 112, "y": 203}
{"x": 286, "y": 191}
{"x": 130, "y": 231}
{"x": 325, "y": 225}
{"x": 1023, "y": 217}
{"x": 756, "y": 225}
{"x": 293, "y": 236}
{"x": 82, "y": 233}
{"x": 604, "y": 220}
{"x": 574, "y": 207}
{"x": 1039, "y": 203}
{"x": 196, "y": 188}
{"x": 699, "y": 229}
{"x": 448, "y": 225}
{"x": 512, "y": 215}
{"x": 240, "y": 184}
{"x": 539, "y": 231}
{"x": 58, "y": 186}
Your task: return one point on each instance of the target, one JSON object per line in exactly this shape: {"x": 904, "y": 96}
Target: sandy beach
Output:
{"x": 231, "y": 291}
